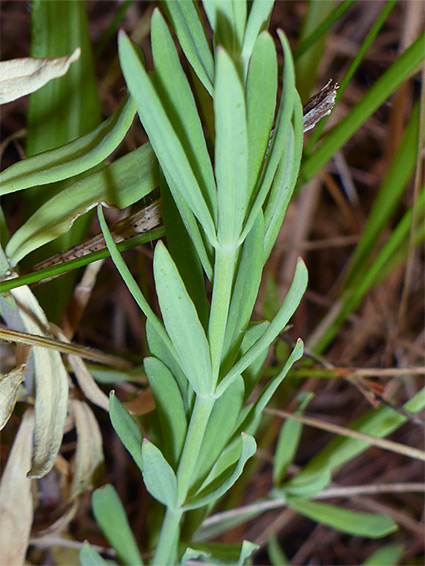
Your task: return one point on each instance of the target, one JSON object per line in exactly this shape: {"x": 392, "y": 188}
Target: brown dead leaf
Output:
{"x": 144, "y": 403}
{"x": 19, "y": 77}
{"x": 89, "y": 457}
{"x": 16, "y": 503}
{"x": 51, "y": 387}
{"x": 9, "y": 387}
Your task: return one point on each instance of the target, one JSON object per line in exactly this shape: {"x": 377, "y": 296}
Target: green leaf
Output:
{"x": 288, "y": 441}
{"x": 90, "y": 557}
{"x": 191, "y": 35}
{"x": 227, "y": 523}
{"x": 245, "y": 290}
{"x": 184, "y": 254}
{"x": 224, "y": 482}
{"x": 193, "y": 554}
{"x": 170, "y": 408}
{"x": 71, "y": 159}
{"x": 252, "y": 373}
{"x": 281, "y": 153}
{"x": 181, "y": 322}
{"x": 126, "y": 428}
{"x": 57, "y": 29}
{"x": 40, "y": 274}
{"x": 110, "y": 515}
{"x": 284, "y": 181}
{"x": 221, "y": 425}
{"x": 275, "y": 553}
{"x": 161, "y": 350}
{"x": 379, "y": 423}
{"x": 258, "y": 21}
{"x": 252, "y": 419}
{"x": 181, "y": 110}
{"x": 120, "y": 184}
{"x": 158, "y": 475}
{"x": 368, "y": 525}
{"x": 387, "y": 555}
{"x": 131, "y": 283}
{"x": 287, "y": 309}
{"x": 261, "y": 91}
{"x": 235, "y": 554}
{"x": 228, "y": 19}
{"x": 61, "y": 111}
{"x": 231, "y": 149}
{"x": 304, "y": 485}
{"x": 166, "y": 145}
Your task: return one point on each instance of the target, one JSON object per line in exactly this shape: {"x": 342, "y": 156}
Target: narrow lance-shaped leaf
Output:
{"x": 111, "y": 517}
{"x": 221, "y": 426}
{"x": 181, "y": 322}
{"x": 192, "y": 38}
{"x": 158, "y": 475}
{"x": 169, "y": 406}
{"x": 169, "y": 79}
{"x": 126, "y": 428}
{"x": 167, "y": 146}
{"x": 72, "y": 158}
{"x": 379, "y": 422}
{"x": 131, "y": 282}
{"x": 280, "y": 152}
{"x": 223, "y": 483}
{"x": 253, "y": 417}
{"x": 245, "y": 289}
{"x": 288, "y": 441}
{"x": 258, "y": 20}
{"x": 369, "y": 525}
{"x": 261, "y": 91}
{"x": 231, "y": 149}
{"x": 287, "y": 309}
{"x": 120, "y": 184}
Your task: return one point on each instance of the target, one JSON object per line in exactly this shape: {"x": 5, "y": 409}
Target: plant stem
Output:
{"x": 223, "y": 280}
{"x": 166, "y": 550}
{"x": 195, "y": 435}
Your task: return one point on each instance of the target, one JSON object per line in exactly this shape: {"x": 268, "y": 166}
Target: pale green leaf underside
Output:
{"x": 71, "y": 159}
{"x": 120, "y": 184}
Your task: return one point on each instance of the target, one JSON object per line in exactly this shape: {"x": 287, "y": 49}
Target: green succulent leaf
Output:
{"x": 126, "y": 428}
{"x": 182, "y": 323}
{"x": 356, "y": 523}
{"x": 111, "y": 517}
{"x": 158, "y": 475}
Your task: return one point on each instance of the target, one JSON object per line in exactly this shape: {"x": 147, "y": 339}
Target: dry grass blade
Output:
{"x": 63, "y": 347}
